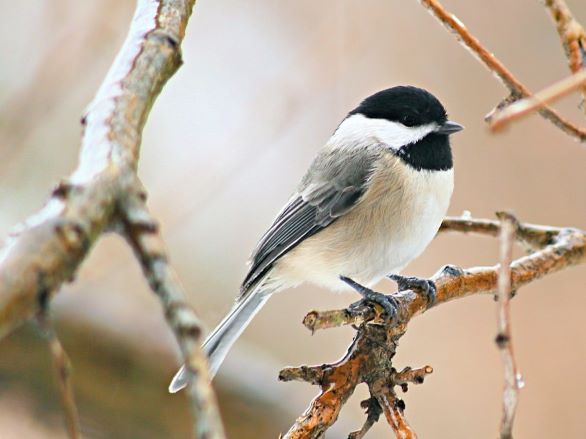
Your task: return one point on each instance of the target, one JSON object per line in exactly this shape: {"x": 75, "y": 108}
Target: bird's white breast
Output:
{"x": 395, "y": 220}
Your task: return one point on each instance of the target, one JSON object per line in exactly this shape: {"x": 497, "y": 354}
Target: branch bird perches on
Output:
{"x": 369, "y": 357}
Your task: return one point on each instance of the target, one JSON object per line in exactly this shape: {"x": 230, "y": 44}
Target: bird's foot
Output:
{"x": 426, "y": 286}
{"x": 388, "y": 303}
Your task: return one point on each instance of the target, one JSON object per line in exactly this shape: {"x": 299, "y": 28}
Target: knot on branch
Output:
{"x": 72, "y": 237}
{"x": 184, "y": 320}
{"x": 64, "y": 188}
{"x": 166, "y": 38}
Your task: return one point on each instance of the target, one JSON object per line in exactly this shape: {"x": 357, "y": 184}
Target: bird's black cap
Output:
{"x": 408, "y": 105}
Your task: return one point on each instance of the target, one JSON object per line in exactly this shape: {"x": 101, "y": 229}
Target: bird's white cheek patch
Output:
{"x": 358, "y": 129}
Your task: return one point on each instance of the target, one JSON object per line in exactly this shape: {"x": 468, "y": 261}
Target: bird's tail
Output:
{"x": 223, "y": 337}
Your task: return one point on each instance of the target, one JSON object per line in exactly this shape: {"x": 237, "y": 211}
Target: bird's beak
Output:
{"x": 449, "y": 127}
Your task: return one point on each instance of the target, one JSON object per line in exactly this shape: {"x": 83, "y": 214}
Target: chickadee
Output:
{"x": 372, "y": 200}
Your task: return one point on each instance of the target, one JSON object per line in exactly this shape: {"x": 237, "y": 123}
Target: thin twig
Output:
{"x": 314, "y": 375}
{"x": 373, "y": 411}
{"x": 572, "y": 35}
{"x": 525, "y": 106}
{"x": 516, "y": 88}
{"x": 394, "y": 411}
{"x": 414, "y": 376}
{"x": 62, "y": 367}
{"x": 142, "y": 232}
{"x": 532, "y": 235}
{"x": 504, "y": 335}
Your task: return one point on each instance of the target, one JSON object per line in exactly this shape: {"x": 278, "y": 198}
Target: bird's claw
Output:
{"x": 388, "y": 303}
{"x": 427, "y": 286}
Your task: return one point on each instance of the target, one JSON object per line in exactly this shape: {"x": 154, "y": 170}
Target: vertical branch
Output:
{"x": 393, "y": 408}
{"x": 62, "y": 367}
{"x": 572, "y": 36}
{"x": 373, "y": 411}
{"x": 142, "y": 233}
{"x": 503, "y": 338}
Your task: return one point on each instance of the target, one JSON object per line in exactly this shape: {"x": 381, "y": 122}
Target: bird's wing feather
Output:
{"x": 330, "y": 189}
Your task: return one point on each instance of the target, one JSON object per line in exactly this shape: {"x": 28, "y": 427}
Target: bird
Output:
{"x": 371, "y": 201}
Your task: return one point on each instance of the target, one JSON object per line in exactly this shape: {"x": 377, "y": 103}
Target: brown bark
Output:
{"x": 369, "y": 358}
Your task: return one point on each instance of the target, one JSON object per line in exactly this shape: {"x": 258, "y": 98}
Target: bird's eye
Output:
{"x": 408, "y": 121}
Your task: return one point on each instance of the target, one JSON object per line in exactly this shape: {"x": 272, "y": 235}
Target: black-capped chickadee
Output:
{"x": 371, "y": 201}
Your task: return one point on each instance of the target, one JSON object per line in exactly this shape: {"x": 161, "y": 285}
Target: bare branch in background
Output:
{"x": 573, "y": 37}
{"x": 142, "y": 232}
{"x": 369, "y": 358}
{"x": 517, "y": 89}
{"x": 504, "y": 335}
{"x": 102, "y": 193}
{"x": 62, "y": 367}
{"x": 520, "y": 108}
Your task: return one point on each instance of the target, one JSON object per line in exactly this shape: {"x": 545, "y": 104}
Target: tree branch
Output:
{"x": 504, "y": 338}
{"x": 373, "y": 411}
{"x": 62, "y": 367}
{"x": 516, "y": 88}
{"x": 102, "y": 194}
{"x": 369, "y": 357}
{"x": 142, "y": 233}
{"x": 572, "y": 36}
{"x": 502, "y": 117}
{"x": 394, "y": 409}
{"x": 55, "y": 241}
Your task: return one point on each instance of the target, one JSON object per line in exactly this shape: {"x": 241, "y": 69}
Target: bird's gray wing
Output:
{"x": 333, "y": 185}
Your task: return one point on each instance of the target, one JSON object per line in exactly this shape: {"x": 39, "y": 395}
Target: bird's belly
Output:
{"x": 375, "y": 238}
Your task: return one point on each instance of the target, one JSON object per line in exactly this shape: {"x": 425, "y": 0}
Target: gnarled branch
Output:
{"x": 369, "y": 357}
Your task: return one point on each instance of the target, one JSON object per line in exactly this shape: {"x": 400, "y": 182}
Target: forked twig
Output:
{"x": 516, "y": 88}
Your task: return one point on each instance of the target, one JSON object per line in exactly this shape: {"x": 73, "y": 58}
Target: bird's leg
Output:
{"x": 388, "y": 303}
{"x": 426, "y": 286}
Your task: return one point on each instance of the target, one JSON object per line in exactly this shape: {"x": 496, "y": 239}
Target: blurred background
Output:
{"x": 264, "y": 84}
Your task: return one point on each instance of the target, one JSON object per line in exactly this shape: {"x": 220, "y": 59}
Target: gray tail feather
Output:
{"x": 226, "y": 333}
